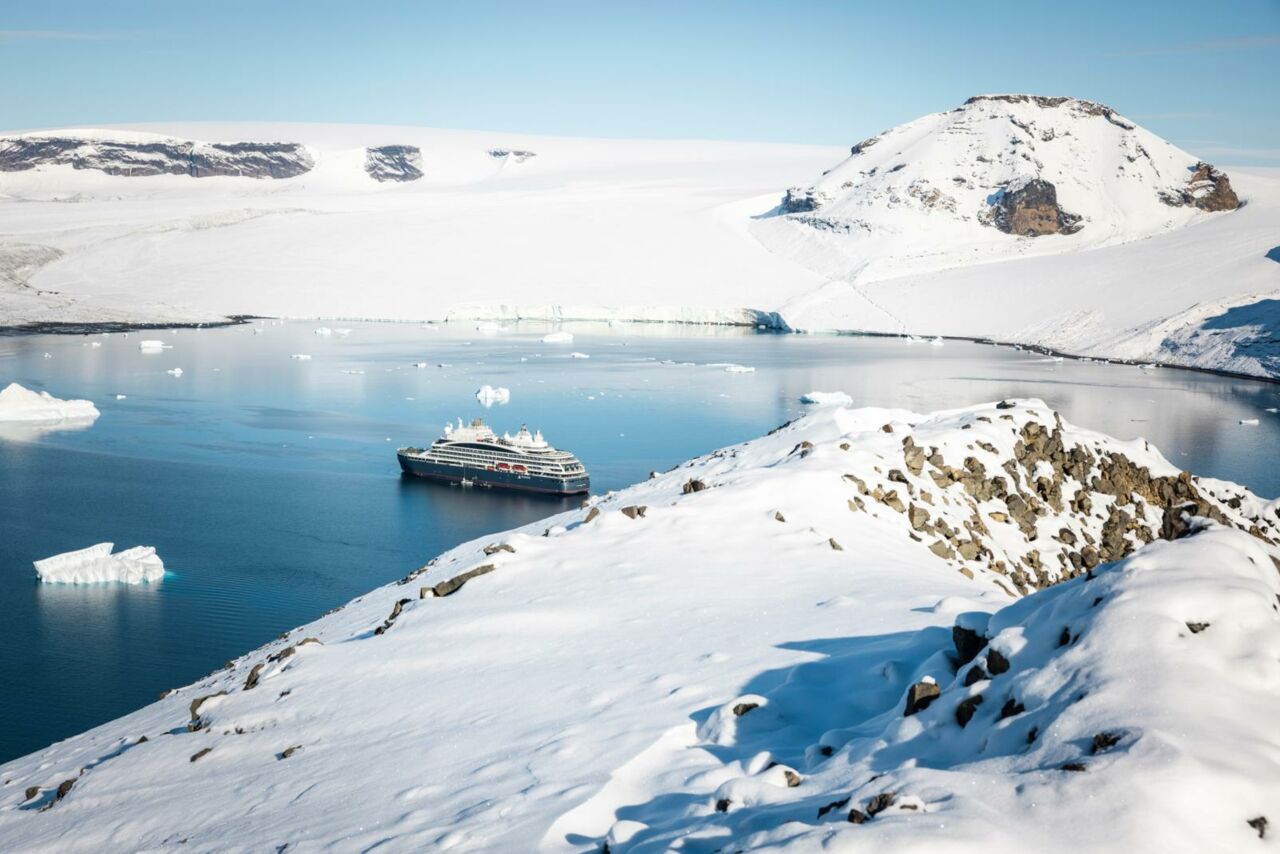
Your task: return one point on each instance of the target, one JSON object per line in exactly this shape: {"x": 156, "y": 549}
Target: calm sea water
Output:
{"x": 270, "y": 487}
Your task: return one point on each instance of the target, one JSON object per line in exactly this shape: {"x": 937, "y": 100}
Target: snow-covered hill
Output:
{"x": 808, "y": 640}
{"x": 1049, "y": 221}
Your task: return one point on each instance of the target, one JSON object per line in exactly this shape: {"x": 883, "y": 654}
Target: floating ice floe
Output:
{"x": 739, "y": 369}
{"x": 422, "y": 364}
{"x": 353, "y": 372}
{"x": 48, "y": 355}
{"x": 936, "y": 341}
{"x": 153, "y": 345}
{"x": 1272, "y": 409}
{"x": 557, "y": 338}
{"x": 343, "y": 332}
{"x": 579, "y": 356}
{"x": 24, "y": 404}
{"x": 489, "y": 326}
{"x": 97, "y": 564}
{"x": 93, "y": 344}
{"x": 324, "y": 330}
{"x": 826, "y": 398}
{"x": 1249, "y": 422}
{"x": 488, "y": 395}
{"x": 174, "y": 372}
{"x": 121, "y": 396}
{"x": 301, "y": 357}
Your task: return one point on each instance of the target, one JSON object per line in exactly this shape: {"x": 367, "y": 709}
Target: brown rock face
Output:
{"x": 1032, "y": 210}
{"x": 1208, "y": 189}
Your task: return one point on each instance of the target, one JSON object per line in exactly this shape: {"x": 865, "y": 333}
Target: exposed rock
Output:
{"x": 160, "y": 156}
{"x": 880, "y": 803}
{"x": 918, "y": 517}
{"x": 1259, "y": 824}
{"x": 453, "y": 585}
{"x": 1104, "y": 741}
{"x": 966, "y": 709}
{"x": 857, "y": 817}
{"x": 1030, "y": 209}
{"x": 498, "y": 547}
{"x": 591, "y": 514}
{"x": 1011, "y": 708}
{"x": 515, "y": 154}
{"x": 996, "y": 662}
{"x": 396, "y": 610}
{"x": 1075, "y": 766}
{"x": 635, "y": 511}
{"x": 31, "y": 792}
{"x": 199, "y": 753}
{"x": 793, "y": 779}
{"x": 393, "y": 162}
{"x": 920, "y": 696}
{"x": 722, "y": 805}
{"x": 1197, "y": 628}
{"x": 252, "y": 681}
{"x": 779, "y": 517}
{"x": 968, "y": 644}
{"x": 802, "y": 199}
{"x": 693, "y": 485}
{"x": 288, "y": 751}
{"x": 1208, "y": 189}
{"x": 941, "y": 549}
{"x": 834, "y": 545}
{"x": 196, "y": 723}
{"x": 834, "y": 805}
{"x": 975, "y": 674}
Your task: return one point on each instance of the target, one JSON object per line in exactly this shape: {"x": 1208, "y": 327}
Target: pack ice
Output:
{"x": 983, "y": 629}
{"x": 97, "y": 564}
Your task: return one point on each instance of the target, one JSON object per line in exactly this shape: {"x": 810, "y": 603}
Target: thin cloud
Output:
{"x": 7, "y": 36}
{"x": 1155, "y": 117}
{"x": 1265, "y": 40}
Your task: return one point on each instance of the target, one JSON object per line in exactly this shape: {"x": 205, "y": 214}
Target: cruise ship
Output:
{"x": 475, "y": 455}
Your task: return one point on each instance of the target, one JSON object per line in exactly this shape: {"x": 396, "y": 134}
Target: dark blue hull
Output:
{"x": 494, "y": 478}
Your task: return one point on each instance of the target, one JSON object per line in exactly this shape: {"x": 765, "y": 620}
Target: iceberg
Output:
{"x": 826, "y": 398}
{"x": 23, "y": 404}
{"x": 488, "y": 395}
{"x": 152, "y": 345}
{"x": 557, "y": 338}
{"x": 97, "y": 564}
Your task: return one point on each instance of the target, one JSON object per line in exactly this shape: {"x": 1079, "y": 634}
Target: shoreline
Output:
{"x": 99, "y": 327}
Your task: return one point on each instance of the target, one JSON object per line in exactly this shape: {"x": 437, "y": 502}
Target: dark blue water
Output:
{"x": 270, "y": 487}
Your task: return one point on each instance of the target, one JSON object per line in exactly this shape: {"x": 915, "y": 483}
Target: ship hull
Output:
{"x": 431, "y": 470}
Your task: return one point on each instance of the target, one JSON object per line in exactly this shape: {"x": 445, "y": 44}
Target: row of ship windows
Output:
{"x": 461, "y": 456}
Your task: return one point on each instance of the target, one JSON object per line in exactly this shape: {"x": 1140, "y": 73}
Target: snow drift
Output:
{"x": 97, "y": 564}
{"x": 22, "y": 404}
{"x": 627, "y": 673}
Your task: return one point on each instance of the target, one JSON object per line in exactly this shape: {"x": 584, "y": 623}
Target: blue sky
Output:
{"x": 1207, "y": 76}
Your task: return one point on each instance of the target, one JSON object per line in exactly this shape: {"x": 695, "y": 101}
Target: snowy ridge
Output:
{"x": 630, "y": 672}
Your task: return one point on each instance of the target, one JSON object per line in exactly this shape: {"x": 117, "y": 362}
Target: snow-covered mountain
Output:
{"x": 1049, "y": 221}
{"x": 809, "y": 640}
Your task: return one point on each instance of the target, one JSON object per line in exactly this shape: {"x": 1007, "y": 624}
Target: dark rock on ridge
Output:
{"x": 393, "y": 162}
{"x": 1208, "y": 189}
{"x": 1031, "y": 210}
{"x": 160, "y": 157}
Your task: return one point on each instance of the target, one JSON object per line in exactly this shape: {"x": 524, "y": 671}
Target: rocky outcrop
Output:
{"x": 1208, "y": 189}
{"x": 1030, "y": 209}
{"x": 802, "y": 199}
{"x": 515, "y": 154}
{"x": 393, "y": 162}
{"x": 159, "y": 156}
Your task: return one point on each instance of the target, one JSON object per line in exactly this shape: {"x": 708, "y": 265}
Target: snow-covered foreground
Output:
{"x": 724, "y": 658}
{"x": 901, "y": 236}
{"x": 97, "y": 565}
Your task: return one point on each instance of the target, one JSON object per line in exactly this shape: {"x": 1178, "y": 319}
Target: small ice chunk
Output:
{"x": 175, "y": 372}
{"x": 1251, "y": 422}
{"x": 48, "y": 355}
{"x": 324, "y": 331}
{"x": 121, "y": 396}
{"x": 488, "y": 396}
{"x": 826, "y": 398}
{"x": 421, "y": 364}
{"x": 23, "y": 404}
{"x": 579, "y": 356}
{"x": 153, "y": 345}
{"x": 936, "y": 341}
{"x": 739, "y": 369}
{"x": 343, "y": 332}
{"x": 301, "y": 357}
{"x": 97, "y": 564}
{"x": 557, "y": 338}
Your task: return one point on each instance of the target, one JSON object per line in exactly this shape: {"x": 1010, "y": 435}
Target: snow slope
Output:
{"x": 413, "y": 224}
{"x": 719, "y": 653}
